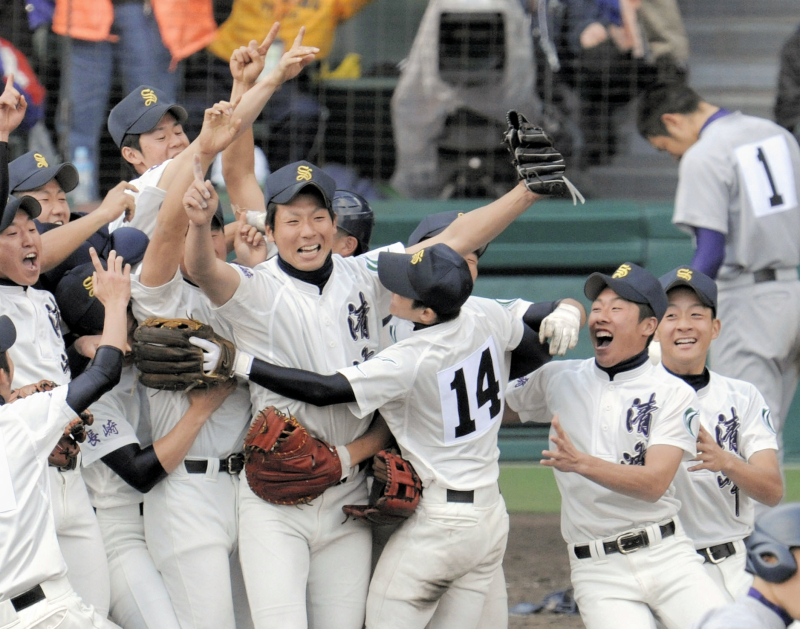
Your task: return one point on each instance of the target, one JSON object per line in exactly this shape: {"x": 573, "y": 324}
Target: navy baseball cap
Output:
{"x": 140, "y": 111}
{"x": 128, "y": 242}
{"x": 437, "y": 276}
{"x": 30, "y": 171}
{"x": 433, "y": 225}
{"x": 29, "y": 204}
{"x": 286, "y": 183}
{"x": 700, "y": 283}
{"x": 8, "y": 333}
{"x": 81, "y": 310}
{"x": 631, "y": 282}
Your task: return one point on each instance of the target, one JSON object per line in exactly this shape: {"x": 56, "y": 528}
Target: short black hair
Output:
{"x": 674, "y": 97}
{"x": 131, "y": 140}
{"x": 309, "y": 191}
{"x": 440, "y": 318}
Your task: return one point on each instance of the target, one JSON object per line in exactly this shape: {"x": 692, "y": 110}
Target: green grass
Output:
{"x": 531, "y": 488}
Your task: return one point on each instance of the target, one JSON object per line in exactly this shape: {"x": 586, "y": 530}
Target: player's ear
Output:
{"x": 649, "y": 326}
{"x": 716, "y": 327}
{"x": 428, "y": 316}
{"x": 132, "y": 156}
{"x": 673, "y": 123}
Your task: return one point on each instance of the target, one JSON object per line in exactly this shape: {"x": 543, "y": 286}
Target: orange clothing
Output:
{"x": 252, "y": 19}
{"x": 186, "y": 26}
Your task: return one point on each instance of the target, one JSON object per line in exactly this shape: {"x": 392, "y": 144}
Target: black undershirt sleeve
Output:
{"x": 305, "y": 386}
{"x": 137, "y": 466}
{"x": 98, "y": 378}
{"x": 529, "y": 355}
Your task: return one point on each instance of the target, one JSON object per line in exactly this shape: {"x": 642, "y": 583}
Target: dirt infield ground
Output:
{"x": 536, "y": 564}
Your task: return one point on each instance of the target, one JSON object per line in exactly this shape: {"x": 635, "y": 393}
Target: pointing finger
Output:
{"x": 269, "y": 39}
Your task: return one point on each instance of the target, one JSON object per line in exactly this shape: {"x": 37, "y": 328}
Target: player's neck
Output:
{"x": 699, "y": 117}
{"x": 696, "y": 381}
{"x": 637, "y": 360}
{"x": 318, "y": 277}
{"x": 693, "y": 368}
{"x": 762, "y": 591}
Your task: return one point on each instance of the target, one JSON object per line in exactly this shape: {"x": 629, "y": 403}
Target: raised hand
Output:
{"x": 248, "y": 243}
{"x": 219, "y": 128}
{"x": 12, "y": 108}
{"x": 118, "y": 201}
{"x": 200, "y": 200}
{"x": 112, "y": 285}
{"x": 247, "y": 62}
{"x": 294, "y": 60}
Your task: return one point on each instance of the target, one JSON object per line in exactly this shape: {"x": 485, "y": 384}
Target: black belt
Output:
{"x": 715, "y": 554}
{"x": 232, "y": 464}
{"x": 764, "y": 275}
{"x": 627, "y": 542}
{"x": 26, "y": 599}
{"x": 455, "y": 495}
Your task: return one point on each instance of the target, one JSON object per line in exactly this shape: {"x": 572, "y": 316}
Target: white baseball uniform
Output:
{"x": 139, "y": 599}
{"x": 149, "y": 198}
{"x": 745, "y": 613}
{"x": 441, "y": 393}
{"x": 713, "y": 510}
{"x": 617, "y": 421}
{"x": 741, "y": 179}
{"x": 39, "y": 354}
{"x": 190, "y": 518}
{"x": 29, "y": 554}
{"x": 313, "y": 568}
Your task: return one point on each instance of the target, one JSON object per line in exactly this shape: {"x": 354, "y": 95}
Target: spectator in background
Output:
{"x": 144, "y": 39}
{"x": 293, "y": 114}
{"x": 787, "y": 104}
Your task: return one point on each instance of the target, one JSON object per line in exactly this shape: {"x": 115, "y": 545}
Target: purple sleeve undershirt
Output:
{"x": 710, "y": 252}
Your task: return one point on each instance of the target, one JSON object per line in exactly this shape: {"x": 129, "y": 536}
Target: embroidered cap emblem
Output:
{"x": 417, "y": 257}
{"x": 304, "y": 173}
{"x": 41, "y": 162}
{"x": 622, "y": 271}
{"x": 684, "y": 274}
{"x": 149, "y": 97}
{"x": 88, "y": 284}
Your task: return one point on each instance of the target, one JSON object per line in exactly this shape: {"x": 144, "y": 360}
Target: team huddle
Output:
{"x": 157, "y": 474}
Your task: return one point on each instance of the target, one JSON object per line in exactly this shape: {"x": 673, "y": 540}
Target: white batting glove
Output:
{"x": 654, "y": 352}
{"x": 345, "y": 460}
{"x": 211, "y": 353}
{"x": 561, "y": 327}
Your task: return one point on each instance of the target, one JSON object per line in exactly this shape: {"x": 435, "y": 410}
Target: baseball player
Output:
{"x": 34, "y": 590}
{"x": 737, "y": 196}
{"x": 621, "y": 428}
{"x": 441, "y": 394}
{"x": 306, "y": 308}
{"x": 737, "y": 462}
{"x": 39, "y": 354}
{"x": 354, "y": 223}
{"x": 773, "y": 553}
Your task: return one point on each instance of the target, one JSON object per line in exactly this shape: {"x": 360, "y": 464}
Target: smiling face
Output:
{"x": 20, "y": 249}
{"x": 615, "y": 330}
{"x": 303, "y": 232}
{"x": 165, "y": 141}
{"x": 686, "y": 331}
{"x": 53, "y": 200}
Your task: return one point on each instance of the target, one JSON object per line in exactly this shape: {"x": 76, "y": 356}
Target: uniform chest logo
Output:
{"x": 637, "y": 456}
{"x": 727, "y": 431}
{"x": 304, "y": 173}
{"x": 357, "y": 321}
{"x": 640, "y": 415}
{"x": 41, "y": 162}
{"x": 149, "y": 97}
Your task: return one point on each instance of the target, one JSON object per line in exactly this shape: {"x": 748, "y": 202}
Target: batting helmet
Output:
{"x": 355, "y": 216}
{"x": 769, "y": 548}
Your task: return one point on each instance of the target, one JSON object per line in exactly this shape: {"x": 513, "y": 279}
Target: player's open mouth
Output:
{"x": 685, "y": 341}
{"x": 603, "y": 338}
{"x": 59, "y": 223}
{"x": 30, "y": 261}
{"x": 310, "y": 250}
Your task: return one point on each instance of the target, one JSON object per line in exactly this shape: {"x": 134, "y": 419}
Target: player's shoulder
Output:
{"x": 152, "y": 176}
{"x": 668, "y": 381}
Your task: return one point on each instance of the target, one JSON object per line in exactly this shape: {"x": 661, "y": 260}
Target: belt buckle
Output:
{"x": 234, "y": 463}
{"x": 710, "y": 556}
{"x": 628, "y": 537}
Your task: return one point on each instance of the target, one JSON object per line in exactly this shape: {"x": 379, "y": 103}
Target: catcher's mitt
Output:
{"x": 394, "y": 500}
{"x": 168, "y": 361}
{"x": 537, "y": 162}
{"x": 284, "y": 464}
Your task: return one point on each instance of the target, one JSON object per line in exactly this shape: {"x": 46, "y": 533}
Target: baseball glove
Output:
{"x": 284, "y": 464}
{"x": 535, "y": 159}
{"x": 394, "y": 500}
{"x": 168, "y": 361}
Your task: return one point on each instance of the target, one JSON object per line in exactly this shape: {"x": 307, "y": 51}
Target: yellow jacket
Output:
{"x": 186, "y": 26}
{"x": 252, "y": 19}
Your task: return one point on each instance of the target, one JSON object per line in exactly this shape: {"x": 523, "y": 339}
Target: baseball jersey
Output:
{"x": 400, "y": 329}
{"x": 39, "y": 352}
{"x": 746, "y": 613}
{"x": 740, "y": 178}
{"x": 441, "y": 392}
{"x": 121, "y": 417}
{"x": 285, "y": 321}
{"x": 149, "y": 198}
{"x": 713, "y": 510}
{"x": 29, "y": 430}
{"x": 223, "y": 433}
{"x": 613, "y": 420}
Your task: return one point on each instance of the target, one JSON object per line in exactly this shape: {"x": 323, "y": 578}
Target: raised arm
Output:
{"x": 12, "y": 111}
{"x": 646, "y": 482}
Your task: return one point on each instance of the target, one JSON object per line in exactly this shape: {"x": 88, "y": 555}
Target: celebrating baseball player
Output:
{"x": 34, "y": 589}
{"x": 773, "y": 554}
{"x": 737, "y": 461}
{"x": 737, "y": 196}
{"x": 621, "y": 428}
